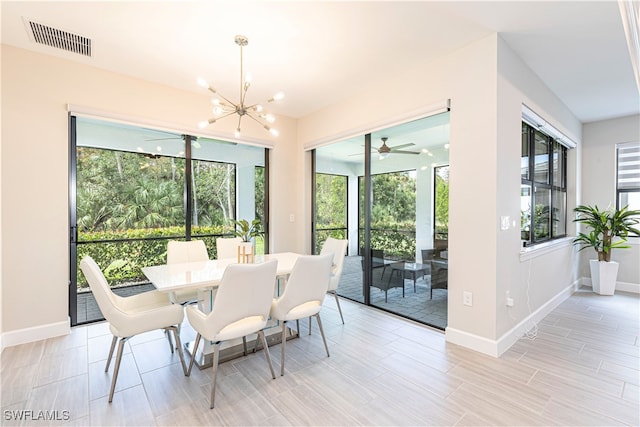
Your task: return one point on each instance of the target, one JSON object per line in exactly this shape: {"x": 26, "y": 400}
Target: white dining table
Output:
{"x": 205, "y": 276}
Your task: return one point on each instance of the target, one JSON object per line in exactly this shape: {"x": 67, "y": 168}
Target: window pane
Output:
{"x": 441, "y": 198}
{"x": 541, "y": 160}
{"x": 542, "y": 217}
{"x": 524, "y": 160}
{"x": 331, "y": 208}
{"x": 119, "y": 190}
{"x": 214, "y": 195}
{"x": 631, "y": 198}
{"x": 559, "y": 213}
{"x": 525, "y": 212}
{"x": 393, "y": 214}
{"x": 558, "y": 164}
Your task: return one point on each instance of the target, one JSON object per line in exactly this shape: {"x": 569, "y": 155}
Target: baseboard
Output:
{"x": 35, "y": 333}
{"x": 497, "y": 347}
{"x": 633, "y": 288}
{"x": 628, "y": 287}
{"x": 528, "y": 323}
{"x": 471, "y": 341}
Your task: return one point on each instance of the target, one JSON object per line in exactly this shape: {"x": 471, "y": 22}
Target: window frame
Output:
{"x": 632, "y": 189}
{"x": 555, "y": 185}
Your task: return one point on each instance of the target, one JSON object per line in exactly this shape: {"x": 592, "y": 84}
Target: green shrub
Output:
{"x": 122, "y": 254}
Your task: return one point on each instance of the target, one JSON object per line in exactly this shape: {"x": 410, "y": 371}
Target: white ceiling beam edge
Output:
{"x": 429, "y": 110}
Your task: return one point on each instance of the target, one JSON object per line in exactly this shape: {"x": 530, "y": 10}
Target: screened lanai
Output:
{"x": 387, "y": 193}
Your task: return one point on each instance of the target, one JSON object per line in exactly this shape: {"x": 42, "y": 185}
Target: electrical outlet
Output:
{"x": 467, "y": 298}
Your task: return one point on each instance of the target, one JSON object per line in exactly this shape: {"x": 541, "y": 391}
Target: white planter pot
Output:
{"x": 603, "y": 276}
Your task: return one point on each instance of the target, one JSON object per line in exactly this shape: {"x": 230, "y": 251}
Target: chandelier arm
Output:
{"x": 243, "y": 96}
{"x": 263, "y": 124}
{"x": 229, "y": 101}
{"x": 249, "y": 107}
{"x": 239, "y": 120}
{"x": 223, "y": 116}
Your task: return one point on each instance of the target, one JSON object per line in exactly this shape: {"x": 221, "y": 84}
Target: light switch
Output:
{"x": 292, "y": 218}
{"x": 504, "y": 222}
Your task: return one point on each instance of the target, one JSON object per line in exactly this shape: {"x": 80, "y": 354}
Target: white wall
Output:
{"x": 34, "y": 175}
{"x": 487, "y": 84}
{"x": 599, "y": 188}
{"x": 485, "y": 81}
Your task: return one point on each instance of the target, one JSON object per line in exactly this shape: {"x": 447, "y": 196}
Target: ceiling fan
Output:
{"x": 384, "y": 150}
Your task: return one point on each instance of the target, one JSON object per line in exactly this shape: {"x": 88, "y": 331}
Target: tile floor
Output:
{"x": 581, "y": 369}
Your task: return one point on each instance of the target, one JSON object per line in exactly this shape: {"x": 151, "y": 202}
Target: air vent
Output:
{"x": 60, "y": 39}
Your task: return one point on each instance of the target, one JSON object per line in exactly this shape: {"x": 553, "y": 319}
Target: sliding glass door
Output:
{"x": 133, "y": 189}
{"x": 391, "y": 217}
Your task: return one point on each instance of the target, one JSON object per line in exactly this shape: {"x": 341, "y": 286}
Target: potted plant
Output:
{"x": 609, "y": 229}
{"x": 246, "y": 231}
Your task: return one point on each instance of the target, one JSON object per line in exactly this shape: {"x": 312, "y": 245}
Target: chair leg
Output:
{"x": 244, "y": 345}
{"x": 116, "y": 368}
{"x": 298, "y": 326}
{"x": 193, "y": 353}
{"x": 216, "y": 355}
{"x": 113, "y": 346}
{"x": 176, "y": 335}
{"x": 282, "y": 345}
{"x": 266, "y": 353}
{"x": 335, "y": 294}
{"x": 169, "y": 339}
{"x": 309, "y": 325}
{"x": 324, "y": 340}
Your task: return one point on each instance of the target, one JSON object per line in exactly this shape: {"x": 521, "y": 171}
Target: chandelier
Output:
{"x": 223, "y": 107}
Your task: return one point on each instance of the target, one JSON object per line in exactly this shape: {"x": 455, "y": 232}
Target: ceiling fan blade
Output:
{"x": 164, "y": 139}
{"x": 398, "y": 147}
{"x": 403, "y": 152}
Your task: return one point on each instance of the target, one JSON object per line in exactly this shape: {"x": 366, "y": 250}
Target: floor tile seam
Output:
{"x": 473, "y": 366}
{"x": 568, "y": 382}
{"x": 36, "y": 387}
{"x": 497, "y": 385}
{"x": 526, "y": 410}
{"x": 591, "y": 375}
{"x": 352, "y": 382}
{"x": 589, "y": 410}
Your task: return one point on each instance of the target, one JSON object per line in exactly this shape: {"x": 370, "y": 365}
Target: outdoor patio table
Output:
{"x": 413, "y": 268}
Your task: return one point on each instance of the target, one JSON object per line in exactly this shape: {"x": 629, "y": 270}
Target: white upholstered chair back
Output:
{"x": 227, "y": 247}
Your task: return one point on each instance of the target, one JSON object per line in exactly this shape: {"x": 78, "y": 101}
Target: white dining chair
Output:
{"x": 179, "y": 252}
{"x": 240, "y": 308}
{"x": 337, "y": 247}
{"x": 303, "y": 295}
{"x": 227, "y": 247}
{"x": 129, "y": 316}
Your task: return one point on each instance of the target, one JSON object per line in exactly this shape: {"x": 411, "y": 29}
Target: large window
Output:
{"x": 543, "y": 194}
{"x": 628, "y": 175}
{"x": 133, "y": 189}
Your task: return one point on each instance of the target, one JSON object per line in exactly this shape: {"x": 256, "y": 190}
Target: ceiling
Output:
{"x": 319, "y": 52}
